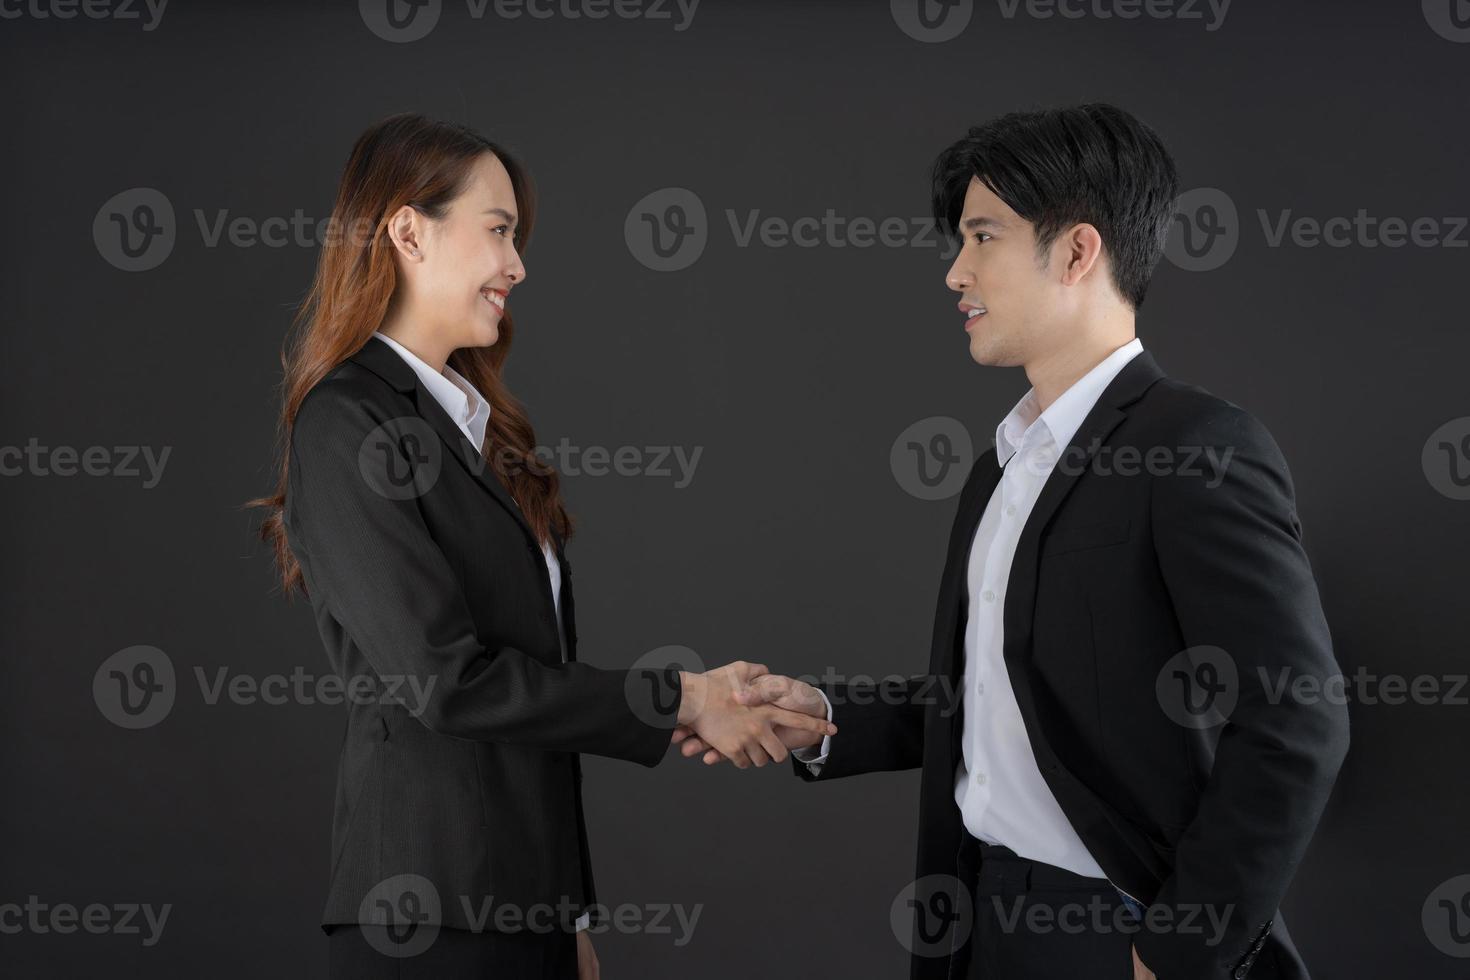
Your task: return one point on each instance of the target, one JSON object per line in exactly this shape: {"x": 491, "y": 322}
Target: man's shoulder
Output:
{"x": 1179, "y": 410}
{"x": 1173, "y": 398}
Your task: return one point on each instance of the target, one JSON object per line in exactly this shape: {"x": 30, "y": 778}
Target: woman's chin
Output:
{"x": 486, "y": 333}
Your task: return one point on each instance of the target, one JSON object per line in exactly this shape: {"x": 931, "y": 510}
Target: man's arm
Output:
{"x": 1229, "y": 547}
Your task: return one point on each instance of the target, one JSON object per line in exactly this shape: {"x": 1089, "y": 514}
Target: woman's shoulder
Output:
{"x": 349, "y": 400}
{"x": 345, "y": 388}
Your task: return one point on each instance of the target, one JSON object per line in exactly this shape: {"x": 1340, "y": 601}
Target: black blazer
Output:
{"x": 422, "y": 570}
{"x": 1115, "y": 574}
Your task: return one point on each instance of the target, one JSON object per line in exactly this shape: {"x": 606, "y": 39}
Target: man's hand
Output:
{"x": 1141, "y": 972}
{"x": 762, "y": 688}
{"x": 726, "y": 719}
{"x": 587, "y": 965}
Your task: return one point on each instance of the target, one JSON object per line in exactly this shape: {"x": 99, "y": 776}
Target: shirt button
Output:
{"x": 980, "y": 778}
{"x": 988, "y": 596}
{"x": 980, "y": 688}
{"x": 1010, "y": 510}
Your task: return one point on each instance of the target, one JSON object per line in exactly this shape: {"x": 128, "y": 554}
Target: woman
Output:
{"x": 430, "y": 541}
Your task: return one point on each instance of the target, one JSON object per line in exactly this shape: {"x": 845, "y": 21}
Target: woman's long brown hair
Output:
{"x": 423, "y": 163}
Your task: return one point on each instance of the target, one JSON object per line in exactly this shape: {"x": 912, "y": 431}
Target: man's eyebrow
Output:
{"x": 970, "y": 224}
{"x": 503, "y": 213}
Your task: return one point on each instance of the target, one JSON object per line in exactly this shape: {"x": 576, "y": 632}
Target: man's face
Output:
{"x": 997, "y": 271}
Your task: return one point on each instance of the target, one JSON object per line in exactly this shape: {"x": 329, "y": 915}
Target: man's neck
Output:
{"x": 1054, "y": 373}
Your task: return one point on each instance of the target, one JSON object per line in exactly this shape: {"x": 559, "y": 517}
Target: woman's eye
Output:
{"x": 501, "y": 230}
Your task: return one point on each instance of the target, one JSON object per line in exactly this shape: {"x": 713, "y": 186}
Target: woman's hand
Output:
{"x": 746, "y": 734}
{"x": 587, "y": 967}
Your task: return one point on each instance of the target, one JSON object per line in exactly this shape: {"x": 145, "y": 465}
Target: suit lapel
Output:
{"x": 568, "y": 606}
{"x": 1020, "y": 605}
{"x": 385, "y": 362}
{"x": 954, "y": 596}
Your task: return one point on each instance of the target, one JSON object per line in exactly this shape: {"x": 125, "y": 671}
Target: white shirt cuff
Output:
{"x": 814, "y": 761}
{"x": 583, "y": 921}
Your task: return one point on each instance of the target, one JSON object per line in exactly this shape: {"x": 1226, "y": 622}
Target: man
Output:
{"x": 1124, "y": 589}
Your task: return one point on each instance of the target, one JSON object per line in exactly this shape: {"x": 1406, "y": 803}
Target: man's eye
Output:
{"x": 980, "y": 237}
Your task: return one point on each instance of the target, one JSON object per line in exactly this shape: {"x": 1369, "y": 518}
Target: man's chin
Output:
{"x": 985, "y": 354}
{"x": 988, "y": 352}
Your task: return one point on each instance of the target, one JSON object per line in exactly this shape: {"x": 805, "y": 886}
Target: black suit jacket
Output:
{"x": 422, "y": 571}
{"x": 1115, "y": 574}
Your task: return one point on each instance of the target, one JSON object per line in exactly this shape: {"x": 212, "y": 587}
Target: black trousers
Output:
{"x": 368, "y": 953}
{"x": 1034, "y": 921}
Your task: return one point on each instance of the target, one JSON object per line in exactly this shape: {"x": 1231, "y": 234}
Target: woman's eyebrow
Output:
{"x": 508, "y": 216}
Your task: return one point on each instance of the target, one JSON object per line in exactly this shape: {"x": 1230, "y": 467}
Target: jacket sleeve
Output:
{"x": 370, "y": 559}
{"x": 880, "y": 729}
{"x": 1229, "y": 547}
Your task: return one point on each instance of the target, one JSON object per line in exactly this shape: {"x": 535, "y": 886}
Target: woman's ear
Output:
{"x": 403, "y": 230}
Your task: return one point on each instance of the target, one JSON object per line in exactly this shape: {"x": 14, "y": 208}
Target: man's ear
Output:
{"x": 1083, "y": 252}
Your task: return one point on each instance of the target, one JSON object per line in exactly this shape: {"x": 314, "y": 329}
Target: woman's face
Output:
{"x": 468, "y": 260}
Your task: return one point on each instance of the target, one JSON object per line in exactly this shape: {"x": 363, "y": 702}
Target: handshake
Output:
{"x": 744, "y": 713}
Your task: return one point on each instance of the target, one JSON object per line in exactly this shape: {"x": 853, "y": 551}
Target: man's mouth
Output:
{"x": 972, "y": 313}
{"x": 495, "y": 297}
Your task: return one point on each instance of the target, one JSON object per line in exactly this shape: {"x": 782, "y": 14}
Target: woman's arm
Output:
{"x": 372, "y": 562}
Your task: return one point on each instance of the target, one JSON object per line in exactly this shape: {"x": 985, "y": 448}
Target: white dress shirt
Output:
{"x": 470, "y": 410}
{"x": 999, "y": 789}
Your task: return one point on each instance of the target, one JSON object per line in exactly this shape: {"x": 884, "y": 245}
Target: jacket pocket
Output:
{"x": 1086, "y": 537}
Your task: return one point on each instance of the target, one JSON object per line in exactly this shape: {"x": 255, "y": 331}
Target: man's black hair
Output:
{"x": 1059, "y": 167}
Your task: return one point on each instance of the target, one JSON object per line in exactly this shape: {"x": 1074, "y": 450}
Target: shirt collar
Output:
{"x": 1063, "y": 417}
{"x": 465, "y": 405}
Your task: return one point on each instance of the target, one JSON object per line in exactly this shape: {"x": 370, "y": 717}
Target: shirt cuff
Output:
{"x": 583, "y": 920}
{"x": 814, "y": 761}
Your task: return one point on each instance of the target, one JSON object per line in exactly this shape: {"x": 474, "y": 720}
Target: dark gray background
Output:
{"x": 795, "y": 369}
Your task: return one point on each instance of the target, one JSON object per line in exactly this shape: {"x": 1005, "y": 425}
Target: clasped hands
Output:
{"x": 745, "y": 714}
